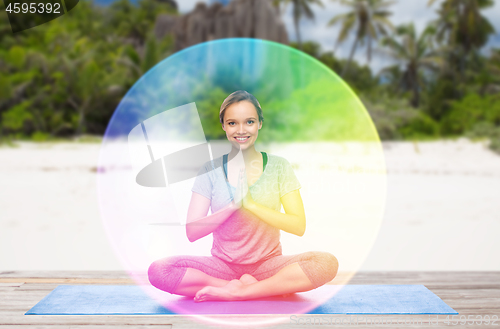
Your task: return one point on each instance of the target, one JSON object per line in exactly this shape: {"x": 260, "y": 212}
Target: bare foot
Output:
{"x": 231, "y": 291}
{"x": 248, "y": 279}
{"x": 227, "y": 292}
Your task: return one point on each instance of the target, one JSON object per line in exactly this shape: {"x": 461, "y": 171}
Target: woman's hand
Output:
{"x": 247, "y": 199}
{"x": 198, "y": 224}
{"x": 242, "y": 197}
{"x": 238, "y": 195}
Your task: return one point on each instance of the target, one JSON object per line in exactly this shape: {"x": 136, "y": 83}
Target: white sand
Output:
{"x": 442, "y": 212}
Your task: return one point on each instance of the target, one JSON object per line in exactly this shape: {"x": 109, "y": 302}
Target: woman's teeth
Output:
{"x": 241, "y": 139}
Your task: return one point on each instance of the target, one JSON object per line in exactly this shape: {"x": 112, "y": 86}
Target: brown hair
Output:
{"x": 236, "y": 97}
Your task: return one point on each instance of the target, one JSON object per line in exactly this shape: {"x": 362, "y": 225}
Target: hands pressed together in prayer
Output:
{"x": 243, "y": 197}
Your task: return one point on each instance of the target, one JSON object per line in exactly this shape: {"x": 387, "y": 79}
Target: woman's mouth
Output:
{"x": 242, "y": 139}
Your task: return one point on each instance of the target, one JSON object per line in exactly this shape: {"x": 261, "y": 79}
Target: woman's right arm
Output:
{"x": 198, "y": 223}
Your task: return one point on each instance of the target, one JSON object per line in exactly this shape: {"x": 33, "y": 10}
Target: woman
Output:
{"x": 246, "y": 220}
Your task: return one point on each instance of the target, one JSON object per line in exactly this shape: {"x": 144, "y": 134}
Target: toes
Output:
{"x": 199, "y": 295}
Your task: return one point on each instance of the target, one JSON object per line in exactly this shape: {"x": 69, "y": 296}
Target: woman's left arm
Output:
{"x": 294, "y": 219}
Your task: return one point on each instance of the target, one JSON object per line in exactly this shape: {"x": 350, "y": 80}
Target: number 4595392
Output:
{"x": 41, "y": 8}
{"x": 472, "y": 319}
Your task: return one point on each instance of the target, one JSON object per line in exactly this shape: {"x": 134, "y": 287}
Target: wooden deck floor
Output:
{"x": 474, "y": 294}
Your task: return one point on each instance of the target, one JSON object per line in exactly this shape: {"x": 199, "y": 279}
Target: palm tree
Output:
{"x": 415, "y": 53}
{"x": 300, "y": 8}
{"x": 461, "y": 22}
{"x": 461, "y": 25}
{"x": 369, "y": 18}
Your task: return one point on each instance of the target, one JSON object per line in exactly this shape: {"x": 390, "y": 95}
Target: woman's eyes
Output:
{"x": 233, "y": 123}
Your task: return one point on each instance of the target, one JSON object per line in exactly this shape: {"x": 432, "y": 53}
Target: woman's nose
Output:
{"x": 241, "y": 129}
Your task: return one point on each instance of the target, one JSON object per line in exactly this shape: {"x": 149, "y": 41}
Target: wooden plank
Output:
{"x": 162, "y": 326}
{"x": 27, "y": 301}
{"x": 47, "y": 287}
{"x": 68, "y": 280}
{"x": 426, "y": 274}
{"x": 66, "y": 274}
{"x": 21, "y": 319}
{"x": 104, "y": 326}
{"x": 465, "y": 304}
{"x": 20, "y": 294}
{"x": 467, "y": 293}
{"x": 10, "y": 284}
{"x": 472, "y": 286}
{"x": 37, "y": 327}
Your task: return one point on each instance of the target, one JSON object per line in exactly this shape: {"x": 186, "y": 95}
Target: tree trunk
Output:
{"x": 81, "y": 118}
{"x": 351, "y": 55}
{"x": 415, "y": 101}
{"x": 416, "y": 96}
{"x": 369, "y": 49}
{"x": 463, "y": 64}
{"x": 297, "y": 31}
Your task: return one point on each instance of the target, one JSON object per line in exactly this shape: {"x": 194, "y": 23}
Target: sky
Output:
{"x": 404, "y": 11}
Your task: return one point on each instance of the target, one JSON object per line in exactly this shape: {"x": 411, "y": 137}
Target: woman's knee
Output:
{"x": 321, "y": 267}
{"x": 155, "y": 272}
{"x": 166, "y": 274}
{"x": 330, "y": 264}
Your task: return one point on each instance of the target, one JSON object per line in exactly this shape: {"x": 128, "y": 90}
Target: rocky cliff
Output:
{"x": 239, "y": 19}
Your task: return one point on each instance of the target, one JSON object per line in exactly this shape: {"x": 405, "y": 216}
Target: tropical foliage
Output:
{"x": 67, "y": 77}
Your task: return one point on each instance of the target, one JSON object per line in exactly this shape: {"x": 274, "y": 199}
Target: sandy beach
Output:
{"x": 441, "y": 213}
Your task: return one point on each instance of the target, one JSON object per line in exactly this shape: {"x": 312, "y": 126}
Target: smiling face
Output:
{"x": 241, "y": 124}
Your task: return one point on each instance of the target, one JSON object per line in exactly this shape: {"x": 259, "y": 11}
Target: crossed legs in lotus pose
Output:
{"x": 290, "y": 278}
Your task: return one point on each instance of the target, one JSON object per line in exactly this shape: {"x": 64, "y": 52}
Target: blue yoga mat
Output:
{"x": 350, "y": 299}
